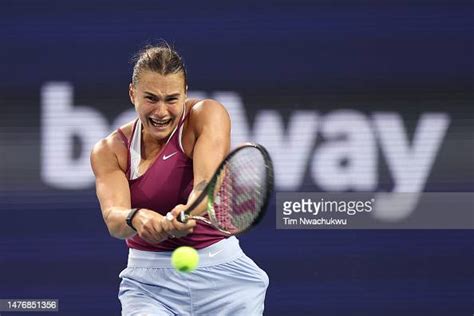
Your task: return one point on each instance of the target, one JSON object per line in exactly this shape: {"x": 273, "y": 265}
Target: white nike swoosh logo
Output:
{"x": 169, "y": 156}
{"x": 215, "y": 253}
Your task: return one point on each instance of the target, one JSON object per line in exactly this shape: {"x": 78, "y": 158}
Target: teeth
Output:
{"x": 156, "y": 122}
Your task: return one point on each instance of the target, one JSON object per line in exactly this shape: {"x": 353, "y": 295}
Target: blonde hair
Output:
{"x": 161, "y": 58}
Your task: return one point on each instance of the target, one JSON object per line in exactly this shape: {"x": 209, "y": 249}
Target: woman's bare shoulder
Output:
{"x": 113, "y": 147}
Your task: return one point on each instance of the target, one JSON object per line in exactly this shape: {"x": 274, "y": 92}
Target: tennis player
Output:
{"x": 159, "y": 163}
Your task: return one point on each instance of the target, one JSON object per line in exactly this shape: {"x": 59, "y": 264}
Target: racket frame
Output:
{"x": 209, "y": 191}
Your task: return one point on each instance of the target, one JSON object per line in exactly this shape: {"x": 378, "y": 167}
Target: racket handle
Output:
{"x": 183, "y": 218}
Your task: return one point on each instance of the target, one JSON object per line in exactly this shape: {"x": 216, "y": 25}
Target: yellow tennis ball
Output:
{"x": 185, "y": 259}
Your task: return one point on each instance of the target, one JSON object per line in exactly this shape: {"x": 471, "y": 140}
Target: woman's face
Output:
{"x": 159, "y": 102}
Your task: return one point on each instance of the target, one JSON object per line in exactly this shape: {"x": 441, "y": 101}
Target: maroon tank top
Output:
{"x": 166, "y": 183}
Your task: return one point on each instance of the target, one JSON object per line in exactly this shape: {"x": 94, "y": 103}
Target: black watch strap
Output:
{"x": 130, "y": 217}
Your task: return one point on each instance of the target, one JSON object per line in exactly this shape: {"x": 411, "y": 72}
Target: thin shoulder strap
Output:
{"x": 134, "y": 150}
{"x": 123, "y": 137}
{"x": 127, "y": 143}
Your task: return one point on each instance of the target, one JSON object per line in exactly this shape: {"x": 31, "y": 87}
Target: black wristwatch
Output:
{"x": 130, "y": 217}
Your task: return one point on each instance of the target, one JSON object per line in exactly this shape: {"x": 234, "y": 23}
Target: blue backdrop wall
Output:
{"x": 399, "y": 72}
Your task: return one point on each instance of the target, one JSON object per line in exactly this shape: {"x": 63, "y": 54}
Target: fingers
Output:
{"x": 153, "y": 235}
{"x": 169, "y": 216}
{"x": 179, "y": 229}
{"x": 178, "y": 210}
{"x": 188, "y": 225}
{"x": 155, "y": 228}
{"x": 167, "y": 223}
{"x": 174, "y": 214}
{"x": 169, "y": 227}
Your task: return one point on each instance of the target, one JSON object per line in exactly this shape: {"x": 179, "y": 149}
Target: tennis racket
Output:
{"x": 238, "y": 192}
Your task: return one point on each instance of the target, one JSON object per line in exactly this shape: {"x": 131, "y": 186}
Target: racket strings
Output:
{"x": 240, "y": 190}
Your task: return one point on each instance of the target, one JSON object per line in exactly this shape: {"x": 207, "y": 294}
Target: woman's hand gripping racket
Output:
{"x": 238, "y": 192}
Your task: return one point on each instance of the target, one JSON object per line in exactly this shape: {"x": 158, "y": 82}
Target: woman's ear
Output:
{"x": 131, "y": 93}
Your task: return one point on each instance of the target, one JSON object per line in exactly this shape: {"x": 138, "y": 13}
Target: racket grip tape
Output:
{"x": 182, "y": 217}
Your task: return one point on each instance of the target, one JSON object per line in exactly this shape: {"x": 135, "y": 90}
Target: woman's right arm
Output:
{"x": 113, "y": 193}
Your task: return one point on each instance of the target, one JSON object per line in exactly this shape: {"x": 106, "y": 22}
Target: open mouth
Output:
{"x": 159, "y": 123}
